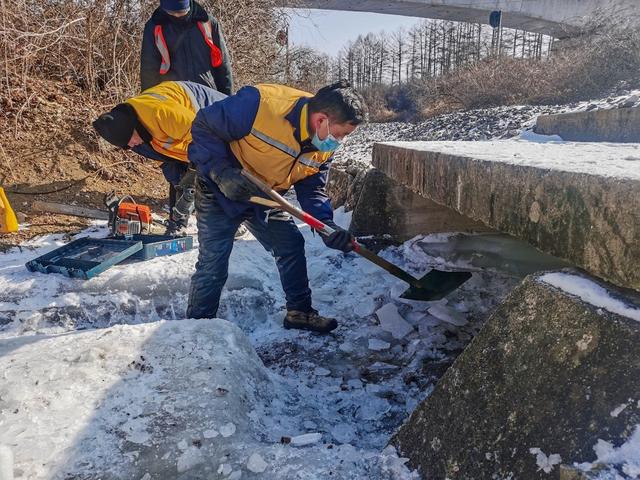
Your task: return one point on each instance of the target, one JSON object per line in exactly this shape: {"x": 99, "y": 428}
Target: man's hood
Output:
{"x": 197, "y": 13}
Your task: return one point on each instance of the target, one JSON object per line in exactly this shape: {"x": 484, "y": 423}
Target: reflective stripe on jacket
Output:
{"x": 161, "y": 45}
{"x": 188, "y": 55}
{"x": 263, "y": 129}
{"x": 272, "y": 150}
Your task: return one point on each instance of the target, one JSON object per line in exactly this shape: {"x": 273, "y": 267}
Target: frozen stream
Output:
{"x": 353, "y": 388}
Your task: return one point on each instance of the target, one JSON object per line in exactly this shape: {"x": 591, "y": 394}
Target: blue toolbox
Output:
{"x": 87, "y": 257}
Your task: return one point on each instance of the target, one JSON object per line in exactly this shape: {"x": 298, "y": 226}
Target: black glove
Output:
{"x": 340, "y": 239}
{"x": 233, "y": 185}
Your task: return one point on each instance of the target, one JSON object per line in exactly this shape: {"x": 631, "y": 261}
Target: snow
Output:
{"x": 392, "y": 322}
{"x": 103, "y": 377}
{"x": 618, "y": 410}
{"x": 6, "y": 463}
{"x": 544, "y": 462}
{"x": 473, "y": 125}
{"x": 624, "y": 459}
{"x": 590, "y": 292}
{"x": 601, "y": 159}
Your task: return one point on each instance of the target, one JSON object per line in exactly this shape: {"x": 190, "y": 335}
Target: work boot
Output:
{"x": 309, "y": 321}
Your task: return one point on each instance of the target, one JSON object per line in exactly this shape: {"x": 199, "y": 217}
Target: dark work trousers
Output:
{"x": 279, "y": 236}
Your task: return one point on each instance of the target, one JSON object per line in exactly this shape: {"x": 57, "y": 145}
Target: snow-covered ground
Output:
{"x": 105, "y": 377}
{"x": 87, "y": 364}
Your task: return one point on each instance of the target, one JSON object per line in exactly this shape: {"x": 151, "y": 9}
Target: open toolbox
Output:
{"x": 88, "y": 257}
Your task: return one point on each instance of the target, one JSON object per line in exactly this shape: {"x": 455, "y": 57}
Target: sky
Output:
{"x": 328, "y": 31}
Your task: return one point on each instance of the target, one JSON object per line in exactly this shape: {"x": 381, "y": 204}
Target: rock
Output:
{"x": 256, "y": 463}
{"x": 321, "y": 372}
{"x": 392, "y": 322}
{"x": 629, "y": 102}
{"x": 542, "y": 382}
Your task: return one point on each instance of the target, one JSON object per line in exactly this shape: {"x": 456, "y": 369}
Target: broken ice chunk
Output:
{"x": 392, "y": 322}
{"x": 210, "y": 433}
{"x": 448, "y": 315}
{"x": 310, "y": 425}
{"x": 346, "y": 347}
{"x": 306, "y": 439}
{"x": 377, "y": 344}
{"x": 365, "y": 307}
{"x": 382, "y": 367}
{"x": 343, "y": 433}
{"x": 225, "y": 469}
{"x": 256, "y": 463}
{"x": 189, "y": 459}
{"x": 228, "y": 429}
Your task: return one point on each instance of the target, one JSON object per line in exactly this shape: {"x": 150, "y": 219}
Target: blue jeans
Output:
{"x": 279, "y": 236}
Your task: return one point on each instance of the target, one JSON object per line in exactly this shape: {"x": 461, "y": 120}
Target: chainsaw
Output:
{"x": 130, "y": 218}
{"x": 124, "y": 218}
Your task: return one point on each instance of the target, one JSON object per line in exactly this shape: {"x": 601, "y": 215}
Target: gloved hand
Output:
{"x": 340, "y": 239}
{"x": 233, "y": 185}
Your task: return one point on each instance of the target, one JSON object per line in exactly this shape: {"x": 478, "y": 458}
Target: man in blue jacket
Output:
{"x": 286, "y": 137}
{"x": 182, "y": 41}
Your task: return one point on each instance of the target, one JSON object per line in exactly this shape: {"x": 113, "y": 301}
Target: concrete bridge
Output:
{"x": 558, "y": 18}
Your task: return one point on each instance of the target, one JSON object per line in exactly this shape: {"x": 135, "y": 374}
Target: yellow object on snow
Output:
{"x": 8, "y": 220}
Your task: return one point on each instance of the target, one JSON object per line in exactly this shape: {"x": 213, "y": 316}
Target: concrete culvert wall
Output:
{"x": 611, "y": 125}
{"x": 546, "y": 378}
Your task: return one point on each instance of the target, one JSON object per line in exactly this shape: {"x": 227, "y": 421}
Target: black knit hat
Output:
{"x": 117, "y": 126}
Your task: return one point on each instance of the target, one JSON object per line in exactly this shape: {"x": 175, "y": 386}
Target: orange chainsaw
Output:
{"x": 124, "y": 218}
{"x": 130, "y": 218}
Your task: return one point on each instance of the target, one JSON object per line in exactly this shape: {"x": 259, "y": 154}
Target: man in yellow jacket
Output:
{"x": 157, "y": 125}
{"x": 287, "y": 137}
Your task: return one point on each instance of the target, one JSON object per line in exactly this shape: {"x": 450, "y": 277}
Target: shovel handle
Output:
{"x": 325, "y": 230}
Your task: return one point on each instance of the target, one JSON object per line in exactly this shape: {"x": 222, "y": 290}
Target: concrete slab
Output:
{"x": 547, "y": 377}
{"x": 385, "y": 207}
{"x": 610, "y": 125}
{"x": 579, "y": 202}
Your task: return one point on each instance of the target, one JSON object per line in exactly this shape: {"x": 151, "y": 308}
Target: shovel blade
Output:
{"x": 435, "y": 285}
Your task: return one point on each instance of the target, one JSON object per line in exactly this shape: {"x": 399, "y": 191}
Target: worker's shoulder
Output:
{"x": 276, "y": 90}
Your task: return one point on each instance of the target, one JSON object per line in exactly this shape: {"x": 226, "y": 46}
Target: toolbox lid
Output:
{"x": 85, "y": 257}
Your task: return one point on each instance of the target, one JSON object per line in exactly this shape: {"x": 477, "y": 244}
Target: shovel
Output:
{"x": 435, "y": 285}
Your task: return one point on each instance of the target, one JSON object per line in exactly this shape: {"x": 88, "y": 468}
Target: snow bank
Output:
{"x": 113, "y": 401}
{"x": 590, "y": 292}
